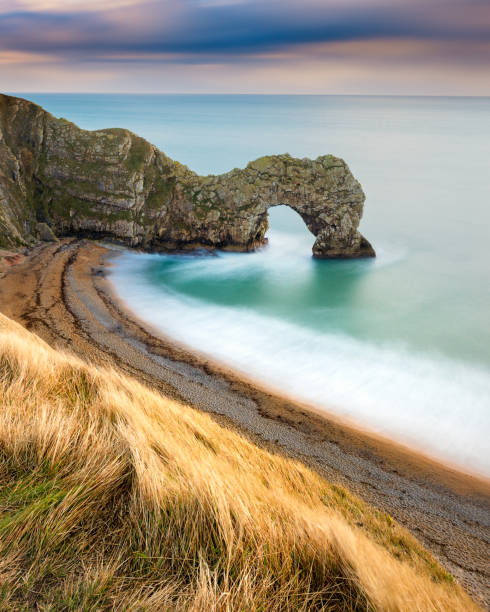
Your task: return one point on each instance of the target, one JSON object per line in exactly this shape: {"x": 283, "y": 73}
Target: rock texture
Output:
{"x": 45, "y": 233}
{"x": 112, "y": 183}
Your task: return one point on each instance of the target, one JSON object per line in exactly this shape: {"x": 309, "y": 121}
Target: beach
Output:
{"x": 62, "y": 292}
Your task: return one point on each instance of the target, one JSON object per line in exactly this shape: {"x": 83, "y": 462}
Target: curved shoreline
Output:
{"x": 416, "y": 454}
{"x": 61, "y": 292}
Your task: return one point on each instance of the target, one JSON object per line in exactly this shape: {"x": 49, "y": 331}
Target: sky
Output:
{"x": 402, "y": 47}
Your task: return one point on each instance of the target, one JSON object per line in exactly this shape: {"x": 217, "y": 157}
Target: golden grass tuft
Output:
{"x": 113, "y": 497}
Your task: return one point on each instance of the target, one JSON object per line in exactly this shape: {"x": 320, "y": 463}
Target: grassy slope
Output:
{"x": 114, "y": 497}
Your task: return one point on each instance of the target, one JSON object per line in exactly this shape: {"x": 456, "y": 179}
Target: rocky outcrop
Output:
{"x": 45, "y": 233}
{"x": 112, "y": 183}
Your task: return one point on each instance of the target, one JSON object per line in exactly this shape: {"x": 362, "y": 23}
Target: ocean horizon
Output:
{"x": 400, "y": 344}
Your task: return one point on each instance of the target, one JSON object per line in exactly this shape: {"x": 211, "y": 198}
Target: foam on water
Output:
{"x": 434, "y": 404}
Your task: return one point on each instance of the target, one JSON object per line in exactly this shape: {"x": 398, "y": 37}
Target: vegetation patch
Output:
{"x": 138, "y": 153}
{"x": 161, "y": 192}
{"x": 113, "y": 497}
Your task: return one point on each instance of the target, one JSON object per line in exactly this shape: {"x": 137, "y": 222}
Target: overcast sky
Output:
{"x": 246, "y": 46}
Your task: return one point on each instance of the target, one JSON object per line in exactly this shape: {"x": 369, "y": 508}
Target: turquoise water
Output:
{"x": 400, "y": 344}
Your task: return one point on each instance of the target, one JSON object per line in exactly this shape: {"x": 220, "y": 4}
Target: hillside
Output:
{"x": 114, "y": 497}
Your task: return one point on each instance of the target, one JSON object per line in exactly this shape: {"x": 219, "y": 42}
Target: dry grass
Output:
{"x": 114, "y": 497}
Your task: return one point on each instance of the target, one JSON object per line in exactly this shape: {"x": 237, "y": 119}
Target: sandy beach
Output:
{"x": 62, "y": 292}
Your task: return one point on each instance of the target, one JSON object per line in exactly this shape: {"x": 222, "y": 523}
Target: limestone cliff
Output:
{"x": 112, "y": 183}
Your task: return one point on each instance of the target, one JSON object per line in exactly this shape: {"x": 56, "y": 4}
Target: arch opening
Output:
{"x": 286, "y": 225}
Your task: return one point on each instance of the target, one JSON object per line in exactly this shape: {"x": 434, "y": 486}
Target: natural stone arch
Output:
{"x": 323, "y": 192}
{"x": 115, "y": 184}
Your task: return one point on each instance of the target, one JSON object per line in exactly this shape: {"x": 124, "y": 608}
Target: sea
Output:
{"x": 399, "y": 345}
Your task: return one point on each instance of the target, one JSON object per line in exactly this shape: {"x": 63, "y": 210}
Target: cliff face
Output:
{"x": 112, "y": 183}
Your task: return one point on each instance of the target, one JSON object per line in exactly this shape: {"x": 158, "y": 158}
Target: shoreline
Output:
{"x": 448, "y": 472}
{"x": 61, "y": 292}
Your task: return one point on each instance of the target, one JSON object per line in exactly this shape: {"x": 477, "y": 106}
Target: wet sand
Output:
{"x": 9, "y": 259}
{"x": 61, "y": 292}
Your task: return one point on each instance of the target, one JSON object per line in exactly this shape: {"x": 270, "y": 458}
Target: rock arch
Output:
{"x": 322, "y": 191}
{"x": 115, "y": 184}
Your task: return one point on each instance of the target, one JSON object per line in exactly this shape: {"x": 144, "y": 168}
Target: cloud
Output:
{"x": 248, "y": 33}
{"x": 65, "y": 6}
{"x": 223, "y": 27}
